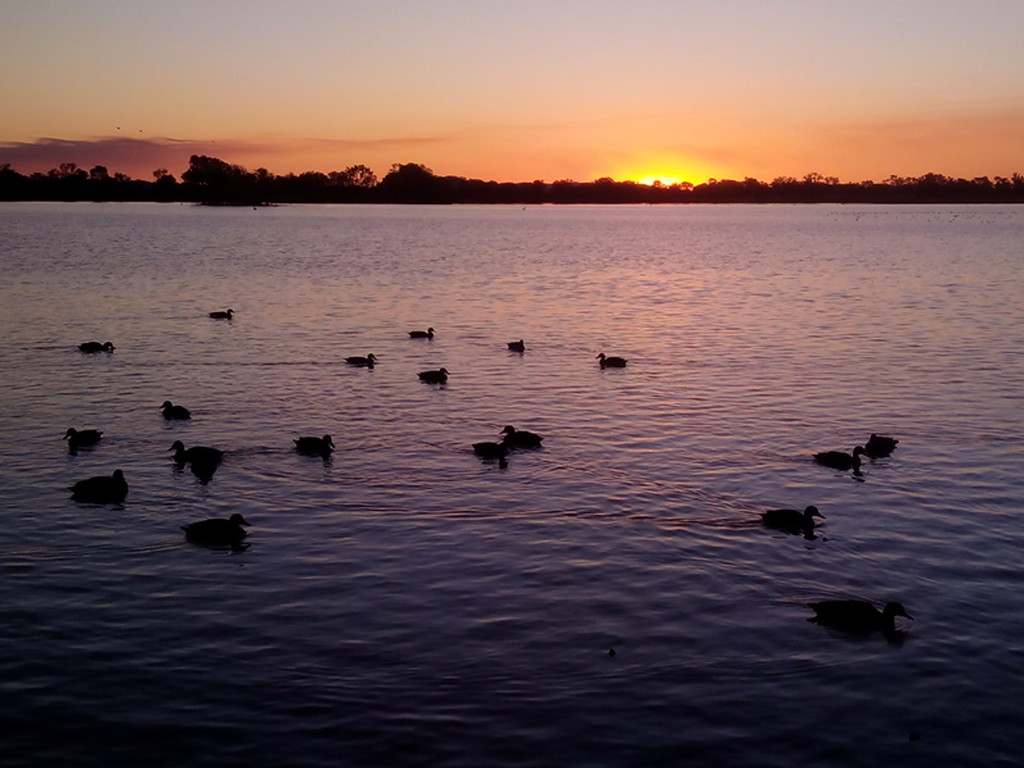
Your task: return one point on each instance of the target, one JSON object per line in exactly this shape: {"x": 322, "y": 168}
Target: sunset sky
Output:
{"x": 517, "y": 91}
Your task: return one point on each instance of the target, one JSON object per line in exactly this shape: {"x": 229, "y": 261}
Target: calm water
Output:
{"x": 408, "y": 604}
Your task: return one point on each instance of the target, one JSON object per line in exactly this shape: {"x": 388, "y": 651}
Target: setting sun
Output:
{"x": 668, "y": 170}
{"x": 667, "y": 179}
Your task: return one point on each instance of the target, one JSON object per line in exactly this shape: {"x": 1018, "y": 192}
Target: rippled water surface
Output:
{"x": 611, "y": 599}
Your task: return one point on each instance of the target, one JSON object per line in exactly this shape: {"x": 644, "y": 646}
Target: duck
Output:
{"x": 490, "y": 450}
{"x": 80, "y": 437}
{"x": 517, "y": 346}
{"x": 172, "y": 411}
{"x": 792, "y": 520}
{"x": 217, "y": 530}
{"x": 95, "y": 346}
{"x": 439, "y": 376}
{"x": 515, "y": 438}
{"x": 197, "y": 454}
{"x": 880, "y": 446}
{"x": 227, "y": 314}
{"x": 427, "y": 334}
{"x": 362, "y": 362}
{"x": 840, "y": 460}
{"x": 857, "y": 615}
{"x": 611, "y": 362}
{"x": 102, "y": 489}
{"x": 314, "y": 446}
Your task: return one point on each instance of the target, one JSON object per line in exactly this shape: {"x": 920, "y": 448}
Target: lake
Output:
{"x": 611, "y": 599}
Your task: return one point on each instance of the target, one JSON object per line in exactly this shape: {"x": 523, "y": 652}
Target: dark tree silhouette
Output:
{"x": 210, "y": 180}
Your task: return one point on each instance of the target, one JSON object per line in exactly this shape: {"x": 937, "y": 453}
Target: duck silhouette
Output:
{"x": 197, "y": 454}
{"x": 217, "y": 531}
{"x": 840, "y": 460}
{"x": 517, "y": 346}
{"x": 490, "y": 450}
{"x": 516, "y": 438}
{"x": 792, "y": 520}
{"x": 95, "y": 346}
{"x": 171, "y": 411}
{"x": 611, "y": 362}
{"x": 427, "y": 334}
{"x": 102, "y": 489}
{"x": 314, "y": 446}
{"x": 79, "y": 437}
{"x": 880, "y": 446}
{"x": 857, "y": 615}
{"x": 439, "y": 376}
{"x": 227, "y": 314}
{"x": 362, "y": 362}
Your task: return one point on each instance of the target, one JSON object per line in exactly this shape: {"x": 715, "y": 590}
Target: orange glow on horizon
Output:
{"x": 667, "y": 179}
{"x": 667, "y": 170}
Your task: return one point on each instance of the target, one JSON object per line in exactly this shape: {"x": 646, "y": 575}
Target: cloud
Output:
{"x": 954, "y": 144}
{"x": 139, "y": 157}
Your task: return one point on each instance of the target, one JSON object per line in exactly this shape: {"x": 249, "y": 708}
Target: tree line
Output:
{"x": 212, "y": 181}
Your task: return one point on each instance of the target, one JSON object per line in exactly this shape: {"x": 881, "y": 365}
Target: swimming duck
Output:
{"x": 791, "y": 520}
{"x": 314, "y": 446}
{"x": 611, "y": 362}
{"x": 857, "y": 615}
{"x": 363, "y": 362}
{"x": 95, "y": 346}
{"x": 434, "y": 377}
{"x": 490, "y": 450}
{"x": 79, "y": 437}
{"x": 197, "y": 454}
{"x": 427, "y": 334}
{"x": 516, "y": 438}
{"x": 102, "y": 489}
{"x": 840, "y": 460}
{"x": 880, "y": 446}
{"x": 172, "y": 411}
{"x": 517, "y": 346}
{"x": 217, "y": 530}
{"x": 225, "y": 315}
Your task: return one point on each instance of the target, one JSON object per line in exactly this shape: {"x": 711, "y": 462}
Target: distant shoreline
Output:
{"x": 211, "y": 181}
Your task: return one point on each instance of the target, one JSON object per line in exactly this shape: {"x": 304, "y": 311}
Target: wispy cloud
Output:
{"x": 139, "y": 157}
